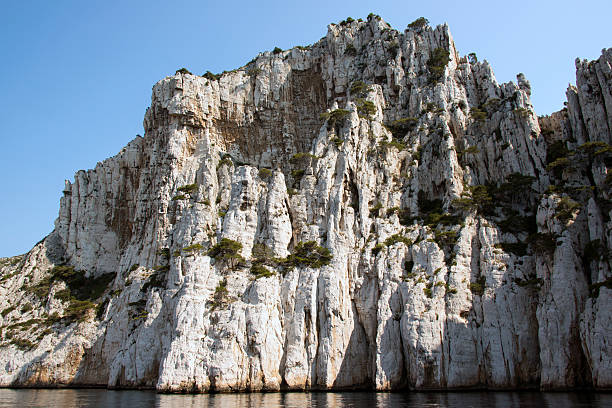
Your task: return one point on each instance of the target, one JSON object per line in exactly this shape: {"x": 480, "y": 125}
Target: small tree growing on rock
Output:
{"x": 228, "y": 251}
{"x": 418, "y": 23}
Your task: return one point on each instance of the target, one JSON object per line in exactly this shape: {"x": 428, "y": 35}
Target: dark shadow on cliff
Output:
{"x": 355, "y": 361}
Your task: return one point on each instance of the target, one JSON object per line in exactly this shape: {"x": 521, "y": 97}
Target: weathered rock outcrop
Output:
{"x": 468, "y": 239}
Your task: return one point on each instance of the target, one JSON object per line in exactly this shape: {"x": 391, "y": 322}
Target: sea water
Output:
{"x": 70, "y": 398}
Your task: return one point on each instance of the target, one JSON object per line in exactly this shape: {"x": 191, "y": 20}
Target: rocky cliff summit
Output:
{"x": 372, "y": 211}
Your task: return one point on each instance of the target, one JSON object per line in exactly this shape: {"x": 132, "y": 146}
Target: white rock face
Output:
{"x": 436, "y": 281}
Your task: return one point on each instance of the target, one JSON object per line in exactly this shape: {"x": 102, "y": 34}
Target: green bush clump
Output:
{"x": 80, "y": 291}
{"x": 137, "y": 310}
{"x": 445, "y": 238}
{"x": 393, "y": 143}
{"x": 393, "y": 49}
{"x": 392, "y": 211}
{"x": 212, "y": 77}
{"x": 134, "y": 267}
{"x": 478, "y": 114}
{"x": 264, "y": 173}
{"x": 432, "y": 211}
{"x": 8, "y": 276}
{"x": 63, "y": 295}
{"x": 478, "y": 287}
{"x": 78, "y": 310}
{"x": 179, "y": 197}
{"x": 220, "y": 297}
{"x": 491, "y": 106}
{"x": 375, "y": 211}
{"x": 437, "y": 63}
{"x": 277, "y": 50}
{"x": 253, "y": 71}
{"x": 469, "y": 150}
{"x": 301, "y": 159}
{"x": 476, "y": 198}
{"x": 393, "y": 239}
{"x": 308, "y": 254}
{"x": 521, "y": 112}
{"x": 23, "y": 344}
{"x": 297, "y": 176}
{"x": 221, "y": 287}
{"x": 26, "y": 325}
{"x": 435, "y": 218}
{"x": 226, "y": 160}
{"x": 529, "y": 282}
{"x": 430, "y": 107}
{"x": 263, "y": 254}
{"x": 182, "y": 71}
{"x": 558, "y": 166}
{"x": 156, "y": 280}
{"x": 188, "y": 189}
{"x": 164, "y": 253}
{"x": 79, "y": 287}
{"x": 560, "y": 159}
{"x": 566, "y": 209}
{"x": 335, "y": 117}
{"x": 337, "y": 141}
{"x": 359, "y": 89}
{"x": 365, "y": 109}
{"x": 377, "y": 248}
{"x": 193, "y": 248}
{"x": 162, "y": 268}
{"x": 517, "y": 186}
{"x": 595, "y": 148}
{"x": 260, "y": 271}
{"x": 26, "y": 308}
{"x": 227, "y": 250}
{"x": 418, "y": 23}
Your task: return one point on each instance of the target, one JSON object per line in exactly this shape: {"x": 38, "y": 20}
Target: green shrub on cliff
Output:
{"x": 308, "y": 254}
{"x": 227, "y": 250}
{"x": 418, "y": 23}
{"x": 437, "y": 63}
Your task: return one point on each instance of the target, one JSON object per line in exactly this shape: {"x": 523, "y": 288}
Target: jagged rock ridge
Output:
{"x": 468, "y": 239}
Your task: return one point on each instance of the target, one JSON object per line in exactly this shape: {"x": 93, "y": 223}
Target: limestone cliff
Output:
{"x": 370, "y": 211}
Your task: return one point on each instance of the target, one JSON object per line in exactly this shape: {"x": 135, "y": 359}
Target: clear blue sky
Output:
{"x": 76, "y": 76}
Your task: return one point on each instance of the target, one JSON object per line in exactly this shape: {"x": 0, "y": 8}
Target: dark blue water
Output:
{"x": 70, "y": 398}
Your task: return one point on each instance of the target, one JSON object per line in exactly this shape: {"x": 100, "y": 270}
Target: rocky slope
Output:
{"x": 372, "y": 211}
